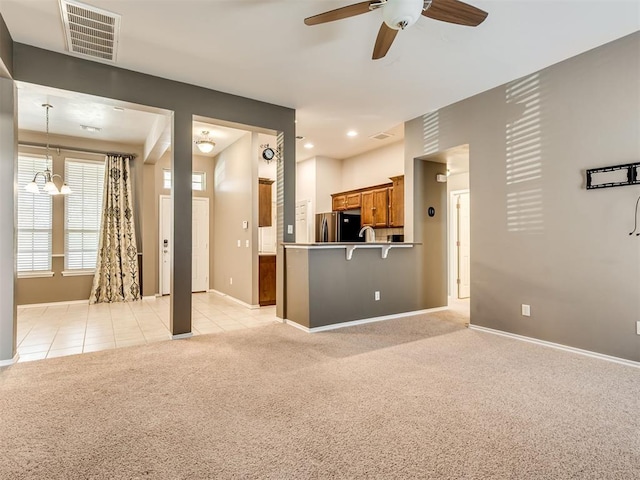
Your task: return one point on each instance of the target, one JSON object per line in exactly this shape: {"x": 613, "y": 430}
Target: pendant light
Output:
{"x": 205, "y": 145}
{"x": 49, "y": 185}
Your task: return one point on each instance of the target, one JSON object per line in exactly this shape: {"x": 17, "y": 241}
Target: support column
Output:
{"x": 181, "y": 166}
{"x": 8, "y": 162}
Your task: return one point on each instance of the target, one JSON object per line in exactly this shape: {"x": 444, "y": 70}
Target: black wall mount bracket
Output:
{"x": 632, "y": 176}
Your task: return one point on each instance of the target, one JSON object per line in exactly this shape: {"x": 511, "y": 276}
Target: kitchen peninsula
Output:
{"x": 329, "y": 284}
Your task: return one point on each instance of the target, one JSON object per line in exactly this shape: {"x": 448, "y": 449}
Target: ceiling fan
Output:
{"x": 400, "y": 14}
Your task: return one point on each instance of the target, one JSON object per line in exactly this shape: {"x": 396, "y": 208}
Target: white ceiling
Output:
{"x": 262, "y": 50}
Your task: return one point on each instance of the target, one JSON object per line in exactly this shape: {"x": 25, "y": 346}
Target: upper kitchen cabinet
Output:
{"x": 264, "y": 202}
{"x": 396, "y": 202}
{"x": 375, "y": 207}
{"x": 345, "y": 201}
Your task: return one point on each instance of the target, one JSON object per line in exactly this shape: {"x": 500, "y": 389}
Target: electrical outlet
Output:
{"x": 376, "y": 295}
{"x": 526, "y": 310}
{"x": 230, "y": 280}
{"x": 637, "y": 328}
{"x": 246, "y": 243}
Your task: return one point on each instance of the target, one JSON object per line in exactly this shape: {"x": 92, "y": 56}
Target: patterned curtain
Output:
{"x": 116, "y": 278}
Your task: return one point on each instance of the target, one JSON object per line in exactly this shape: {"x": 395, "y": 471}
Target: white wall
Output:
{"x": 328, "y": 181}
{"x": 373, "y": 167}
{"x": 459, "y": 181}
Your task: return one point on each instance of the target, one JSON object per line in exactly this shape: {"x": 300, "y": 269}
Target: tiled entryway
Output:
{"x": 54, "y": 331}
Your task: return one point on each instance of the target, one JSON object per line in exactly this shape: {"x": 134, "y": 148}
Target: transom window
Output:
{"x": 197, "y": 180}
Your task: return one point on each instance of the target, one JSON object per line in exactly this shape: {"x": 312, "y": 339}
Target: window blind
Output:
{"x": 83, "y": 213}
{"x": 34, "y": 218}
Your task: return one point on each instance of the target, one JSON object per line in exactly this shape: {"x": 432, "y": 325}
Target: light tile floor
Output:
{"x": 55, "y": 331}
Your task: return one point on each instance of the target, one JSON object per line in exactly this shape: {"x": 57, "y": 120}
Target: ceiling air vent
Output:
{"x": 90, "y": 31}
{"x": 381, "y": 136}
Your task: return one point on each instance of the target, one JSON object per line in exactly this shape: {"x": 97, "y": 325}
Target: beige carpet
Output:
{"x": 420, "y": 397}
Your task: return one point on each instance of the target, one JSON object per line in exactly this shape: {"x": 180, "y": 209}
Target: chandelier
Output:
{"x": 49, "y": 184}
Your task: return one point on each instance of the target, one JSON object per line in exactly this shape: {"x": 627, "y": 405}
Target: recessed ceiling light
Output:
{"x": 118, "y": 109}
{"x": 91, "y": 129}
{"x": 308, "y": 145}
{"x": 352, "y": 133}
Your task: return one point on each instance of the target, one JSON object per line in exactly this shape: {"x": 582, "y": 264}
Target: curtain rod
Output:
{"x": 75, "y": 149}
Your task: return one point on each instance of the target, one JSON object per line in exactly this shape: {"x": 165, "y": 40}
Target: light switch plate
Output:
{"x": 245, "y": 224}
{"x": 526, "y": 310}
{"x": 290, "y": 229}
{"x": 638, "y": 328}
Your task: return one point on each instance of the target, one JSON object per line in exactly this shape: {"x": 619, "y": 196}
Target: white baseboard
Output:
{"x": 558, "y": 346}
{"x": 233, "y": 299}
{"x": 182, "y": 335}
{"x": 54, "y": 304}
{"x": 363, "y": 321}
{"x": 11, "y": 361}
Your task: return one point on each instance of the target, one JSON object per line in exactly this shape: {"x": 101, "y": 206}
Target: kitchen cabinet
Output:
{"x": 375, "y": 207}
{"x": 345, "y": 201}
{"x": 267, "y": 280}
{"x": 264, "y": 202}
{"x": 338, "y": 202}
{"x": 396, "y": 202}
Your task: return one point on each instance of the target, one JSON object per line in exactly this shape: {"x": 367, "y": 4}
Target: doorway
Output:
{"x": 200, "y": 244}
{"x": 460, "y": 244}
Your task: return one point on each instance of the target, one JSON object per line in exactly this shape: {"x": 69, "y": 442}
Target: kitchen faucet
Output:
{"x": 369, "y": 237}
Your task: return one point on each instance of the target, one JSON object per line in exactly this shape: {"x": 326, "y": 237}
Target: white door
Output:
{"x": 463, "y": 244}
{"x": 200, "y": 245}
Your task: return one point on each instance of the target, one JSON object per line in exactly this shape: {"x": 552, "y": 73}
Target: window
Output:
{"x": 34, "y": 218}
{"x": 197, "y": 180}
{"x": 83, "y": 213}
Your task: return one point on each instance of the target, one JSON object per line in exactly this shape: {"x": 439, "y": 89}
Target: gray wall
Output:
{"x": 8, "y": 159}
{"x": 431, "y": 232}
{"x": 537, "y": 236}
{"x": 233, "y": 204}
{"x": 325, "y": 288}
{"x": 51, "y": 69}
{"x": 6, "y": 50}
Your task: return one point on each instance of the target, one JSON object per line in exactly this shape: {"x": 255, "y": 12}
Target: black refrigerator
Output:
{"x": 338, "y": 227}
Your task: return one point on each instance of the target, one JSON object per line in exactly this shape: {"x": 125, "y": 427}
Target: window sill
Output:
{"x": 78, "y": 273}
{"x": 36, "y": 274}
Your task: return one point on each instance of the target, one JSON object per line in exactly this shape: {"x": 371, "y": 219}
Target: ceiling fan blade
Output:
{"x": 455, "y": 11}
{"x": 386, "y": 36}
{"x": 339, "y": 13}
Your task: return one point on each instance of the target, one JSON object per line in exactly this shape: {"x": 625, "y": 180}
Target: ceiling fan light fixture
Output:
{"x": 400, "y": 14}
{"x": 205, "y": 145}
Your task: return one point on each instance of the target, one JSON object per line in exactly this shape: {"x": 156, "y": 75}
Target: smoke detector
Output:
{"x": 89, "y": 31}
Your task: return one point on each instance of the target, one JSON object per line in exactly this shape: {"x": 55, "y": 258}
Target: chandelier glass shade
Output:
{"x": 49, "y": 185}
{"x": 205, "y": 144}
